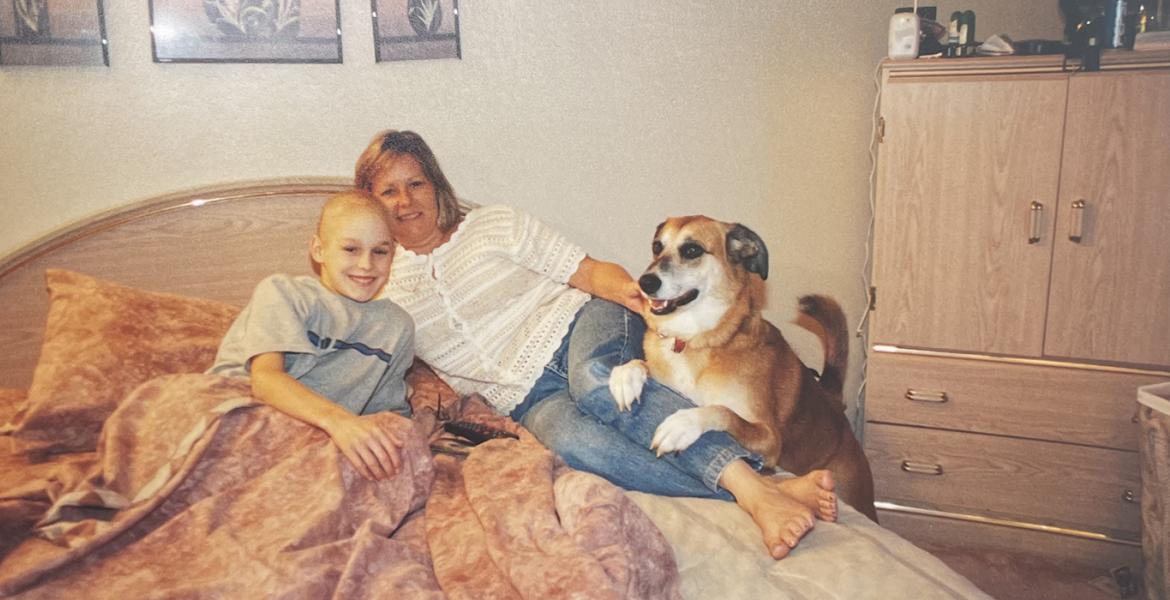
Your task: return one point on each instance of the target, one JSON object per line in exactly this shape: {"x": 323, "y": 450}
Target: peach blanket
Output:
{"x": 197, "y": 491}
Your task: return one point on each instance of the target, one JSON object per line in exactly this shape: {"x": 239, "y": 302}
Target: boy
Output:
{"x": 324, "y": 350}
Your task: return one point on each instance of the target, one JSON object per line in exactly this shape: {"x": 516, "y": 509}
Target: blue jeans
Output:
{"x": 571, "y": 410}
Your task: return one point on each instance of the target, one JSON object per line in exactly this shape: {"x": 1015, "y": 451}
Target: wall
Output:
{"x": 601, "y": 117}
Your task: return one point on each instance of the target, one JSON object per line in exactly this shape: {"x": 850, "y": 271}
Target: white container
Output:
{"x": 904, "y": 34}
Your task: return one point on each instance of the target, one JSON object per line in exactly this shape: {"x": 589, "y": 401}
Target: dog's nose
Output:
{"x": 649, "y": 283}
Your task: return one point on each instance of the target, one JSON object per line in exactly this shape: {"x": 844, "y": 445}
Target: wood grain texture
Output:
{"x": 1110, "y": 298}
{"x": 953, "y": 266}
{"x": 216, "y": 248}
{"x": 967, "y": 146}
{"x": 1040, "y": 482}
{"x": 940, "y": 535}
{"x": 1044, "y": 403}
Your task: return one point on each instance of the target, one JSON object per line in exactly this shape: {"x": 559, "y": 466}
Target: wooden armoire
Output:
{"x": 1021, "y": 295}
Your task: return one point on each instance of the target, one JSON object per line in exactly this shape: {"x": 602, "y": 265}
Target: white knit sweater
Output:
{"x": 492, "y": 304}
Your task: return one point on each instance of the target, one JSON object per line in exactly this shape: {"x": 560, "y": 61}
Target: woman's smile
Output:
{"x": 404, "y": 188}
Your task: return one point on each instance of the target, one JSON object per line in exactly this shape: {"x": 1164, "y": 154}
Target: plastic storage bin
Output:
{"x": 1154, "y": 451}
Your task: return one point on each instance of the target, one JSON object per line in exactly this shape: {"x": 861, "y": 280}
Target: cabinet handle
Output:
{"x": 1129, "y": 496}
{"x": 922, "y": 396}
{"x": 1035, "y": 214}
{"x": 1076, "y": 222}
{"x": 910, "y": 466}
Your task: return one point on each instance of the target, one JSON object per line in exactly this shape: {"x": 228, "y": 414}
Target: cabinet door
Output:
{"x": 1110, "y": 296}
{"x": 961, "y": 162}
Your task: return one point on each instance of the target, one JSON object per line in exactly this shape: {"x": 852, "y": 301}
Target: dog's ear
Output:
{"x": 746, "y": 248}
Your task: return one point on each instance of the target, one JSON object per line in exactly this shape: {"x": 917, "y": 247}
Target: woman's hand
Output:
{"x": 632, "y": 298}
{"x": 373, "y": 451}
{"x": 608, "y": 280}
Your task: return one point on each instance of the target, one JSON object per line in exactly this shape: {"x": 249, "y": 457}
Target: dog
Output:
{"x": 707, "y": 340}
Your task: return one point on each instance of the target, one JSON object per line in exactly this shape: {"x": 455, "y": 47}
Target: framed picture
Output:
{"x": 53, "y": 32}
{"x": 415, "y": 29}
{"x": 275, "y": 31}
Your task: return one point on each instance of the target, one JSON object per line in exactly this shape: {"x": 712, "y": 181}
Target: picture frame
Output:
{"x": 415, "y": 29}
{"x": 53, "y": 32}
{"x": 245, "y": 31}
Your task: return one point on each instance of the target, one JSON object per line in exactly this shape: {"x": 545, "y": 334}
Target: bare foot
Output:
{"x": 781, "y": 519}
{"x": 814, "y": 490}
{"x": 784, "y": 510}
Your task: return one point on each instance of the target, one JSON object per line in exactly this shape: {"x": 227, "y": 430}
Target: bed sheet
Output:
{"x": 720, "y": 555}
{"x": 715, "y": 546}
{"x": 198, "y": 491}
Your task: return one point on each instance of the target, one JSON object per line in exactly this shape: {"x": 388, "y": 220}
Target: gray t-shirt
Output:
{"x": 353, "y": 353}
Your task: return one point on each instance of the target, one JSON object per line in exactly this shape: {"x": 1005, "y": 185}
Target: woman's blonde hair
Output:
{"x": 391, "y": 144}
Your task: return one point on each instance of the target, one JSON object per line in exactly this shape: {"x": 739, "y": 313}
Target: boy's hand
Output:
{"x": 373, "y": 451}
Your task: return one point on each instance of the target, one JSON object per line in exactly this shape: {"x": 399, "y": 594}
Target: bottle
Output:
{"x": 967, "y": 28}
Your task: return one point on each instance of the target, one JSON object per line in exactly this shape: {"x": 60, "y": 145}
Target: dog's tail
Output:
{"x": 824, "y": 317}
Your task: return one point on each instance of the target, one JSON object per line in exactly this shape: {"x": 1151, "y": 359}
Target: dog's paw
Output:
{"x": 678, "y": 431}
{"x": 625, "y": 383}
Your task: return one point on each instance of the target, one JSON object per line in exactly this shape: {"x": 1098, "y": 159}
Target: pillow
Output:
{"x": 101, "y": 341}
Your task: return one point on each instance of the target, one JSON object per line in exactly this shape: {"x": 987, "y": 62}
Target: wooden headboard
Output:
{"x": 214, "y": 242}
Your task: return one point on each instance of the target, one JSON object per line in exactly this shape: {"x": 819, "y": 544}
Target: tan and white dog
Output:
{"x": 706, "y": 339}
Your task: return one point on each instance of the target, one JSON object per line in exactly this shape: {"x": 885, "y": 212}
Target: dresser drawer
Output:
{"x": 942, "y": 537}
{"x": 1047, "y": 403}
{"x": 1094, "y": 489}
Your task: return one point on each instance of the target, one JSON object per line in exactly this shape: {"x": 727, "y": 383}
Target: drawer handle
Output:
{"x": 1077, "y": 222}
{"x": 1129, "y": 496}
{"x": 1035, "y": 220}
{"x": 910, "y": 466}
{"x": 923, "y": 396}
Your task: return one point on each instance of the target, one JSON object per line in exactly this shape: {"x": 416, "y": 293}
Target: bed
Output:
{"x": 126, "y": 472}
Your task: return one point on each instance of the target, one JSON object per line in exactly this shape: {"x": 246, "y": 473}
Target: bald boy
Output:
{"x": 326, "y": 349}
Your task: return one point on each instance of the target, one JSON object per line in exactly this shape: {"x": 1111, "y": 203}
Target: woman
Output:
{"x": 506, "y": 307}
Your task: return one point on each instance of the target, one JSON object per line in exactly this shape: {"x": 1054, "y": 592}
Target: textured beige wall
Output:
{"x": 602, "y": 117}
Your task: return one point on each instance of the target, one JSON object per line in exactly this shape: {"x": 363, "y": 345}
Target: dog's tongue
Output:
{"x": 658, "y": 303}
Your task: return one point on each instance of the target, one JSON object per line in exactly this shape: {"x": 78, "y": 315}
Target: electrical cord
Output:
{"x": 859, "y": 412}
